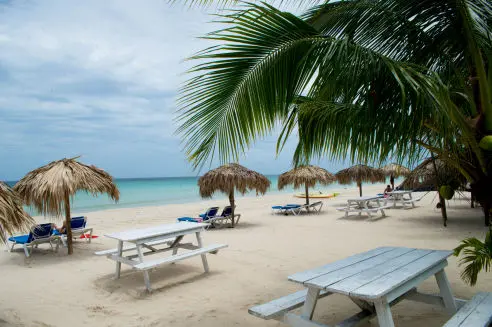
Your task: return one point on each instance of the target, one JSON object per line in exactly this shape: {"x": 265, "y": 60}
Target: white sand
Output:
{"x": 51, "y": 289}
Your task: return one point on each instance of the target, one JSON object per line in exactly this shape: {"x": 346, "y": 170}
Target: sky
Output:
{"x": 99, "y": 79}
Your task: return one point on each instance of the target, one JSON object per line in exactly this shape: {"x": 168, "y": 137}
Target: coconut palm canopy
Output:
{"x": 359, "y": 174}
{"x": 231, "y": 177}
{"x": 50, "y": 187}
{"x": 306, "y": 176}
{"x": 12, "y": 215}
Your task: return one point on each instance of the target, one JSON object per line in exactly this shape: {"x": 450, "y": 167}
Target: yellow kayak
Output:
{"x": 317, "y": 195}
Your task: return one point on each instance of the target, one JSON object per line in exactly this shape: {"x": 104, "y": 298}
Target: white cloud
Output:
{"x": 99, "y": 78}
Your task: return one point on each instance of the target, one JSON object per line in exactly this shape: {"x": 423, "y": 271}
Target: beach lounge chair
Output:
{"x": 78, "y": 226}
{"x": 288, "y": 208}
{"x": 225, "y": 217}
{"x": 39, "y": 234}
{"x": 210, "y": 213}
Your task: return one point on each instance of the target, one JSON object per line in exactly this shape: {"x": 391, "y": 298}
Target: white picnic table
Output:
{"x": 361, "y": 204}
{"x": 375, "y": 280}
{"x": 148, "y": 241}
{"x": 399, "y": 196}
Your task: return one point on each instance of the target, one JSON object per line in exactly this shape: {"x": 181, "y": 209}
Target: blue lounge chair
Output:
{"x": 224, "y": 218}
{"x": 39, "y": 234}
{"x": 292, "y": 208}
{"x": 78, "y": 226}
{"x": 210, "y": 213}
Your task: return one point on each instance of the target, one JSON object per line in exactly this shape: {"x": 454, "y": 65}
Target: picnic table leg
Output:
{"x": 382, "y": 210}
{"x": 118, "y": 263}
{"x": 145, "y": 272}
{"x": 446, "y": 293}
{"x": 411, "y": 199}
{"x": 204, "y": 256}
{"x": 366, "y": 206}
{"x": 310, "y": 303}
{"x": 383, "y": 311}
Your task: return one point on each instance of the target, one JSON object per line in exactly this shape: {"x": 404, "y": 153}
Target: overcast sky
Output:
{"x": 99, "y": 79}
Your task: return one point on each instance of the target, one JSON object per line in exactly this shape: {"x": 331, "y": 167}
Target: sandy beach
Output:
{"x": 53, "y": 289}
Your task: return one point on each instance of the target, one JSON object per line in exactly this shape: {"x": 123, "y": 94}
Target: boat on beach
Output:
{"x": 317, "y": 195}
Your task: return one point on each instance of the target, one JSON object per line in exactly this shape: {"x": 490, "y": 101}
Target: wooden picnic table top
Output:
{"x": 372, "y": 274}
{"x": 156, "y": 231}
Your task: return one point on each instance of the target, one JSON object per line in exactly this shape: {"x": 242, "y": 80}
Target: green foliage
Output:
{"x": 486, "y": 143}
{"x": 446, "y": 192}
{"x": 477, "y": 256}
{"x": 364, "y": 80}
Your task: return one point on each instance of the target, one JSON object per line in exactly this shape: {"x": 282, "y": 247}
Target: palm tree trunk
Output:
{"x": 232, "y": 204}
{"x": 442, "y": 201}
{"x": 307, "y": 194}
{"x": 359, "y": 184}
{"x": 68, "y": 224}
{"x": 486, "y": 213}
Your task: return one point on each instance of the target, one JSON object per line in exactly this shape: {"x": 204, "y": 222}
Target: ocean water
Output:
{"x": 140, "y": 192}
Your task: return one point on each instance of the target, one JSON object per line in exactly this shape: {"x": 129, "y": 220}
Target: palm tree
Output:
{"x": 477, "y": 257}
{"x": 358, "y": 79}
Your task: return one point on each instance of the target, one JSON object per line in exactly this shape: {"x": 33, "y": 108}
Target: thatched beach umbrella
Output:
{"x": 229, "y": 178}
{"x": 395, "y": 170}
{"x": 50, "y": 187}
{"x": 306, "y": 176}
{"x": 12, "y": 215}
{"x": 359, "y": 174}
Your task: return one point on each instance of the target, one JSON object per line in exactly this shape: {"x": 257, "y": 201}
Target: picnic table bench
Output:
{"x": 399, "y": 197}
{"x": 362, "y": 205}
{"x": 149, "y": 239}
{"x": 374, "y": 280}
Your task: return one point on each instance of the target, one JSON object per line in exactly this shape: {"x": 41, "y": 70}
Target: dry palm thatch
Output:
{"x": 231, "y": 177}
{"x": 306, "y": 176}
{"x": 430, "y": 175}
{"x": 395, "y": 170}
{"x": 359, "y": 174}
{"x": 50, "y": 187}
{"x": 12, "y": 215}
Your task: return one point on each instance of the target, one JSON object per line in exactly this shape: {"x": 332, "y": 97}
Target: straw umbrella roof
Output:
{"x": 360, "y": 173}
{"x": 45, "y": 188}
{"x": 424, "y": 175}
{"x": 305, "y": 175}
{"x": 12, "y": 215}
{"x": 232, "y": 176}
{"x": 395, "y": 170}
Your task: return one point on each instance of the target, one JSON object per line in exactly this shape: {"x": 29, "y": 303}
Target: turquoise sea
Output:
{"x": 140, "y": 192}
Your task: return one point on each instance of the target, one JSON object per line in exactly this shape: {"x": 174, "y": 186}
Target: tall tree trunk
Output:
{"x": 68, "y": 224}
{"x": 232, "y": 204}
{"x": 359, "y": 184}
{"x": 442, "y": 201}
{"x": 307, "y": 194}
{"x": 392, "y": 181}
{"x": 486, "y": 213}
{"x": 444, "y": 213}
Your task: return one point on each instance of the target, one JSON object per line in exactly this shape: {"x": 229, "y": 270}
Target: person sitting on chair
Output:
{"x": 386, "y": 190}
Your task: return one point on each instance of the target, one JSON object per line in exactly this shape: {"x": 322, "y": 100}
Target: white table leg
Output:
{"x": 310, "y": 303}
{"x": 366, "y": 205}
{"x": 446, "y": 293}
{"x": 411, "y": 199}
{"x": 204, "y": 256}
{"x": 383, "y": 311}
{"x": 145, "y": 272}
{"x": 118, "y": 263}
